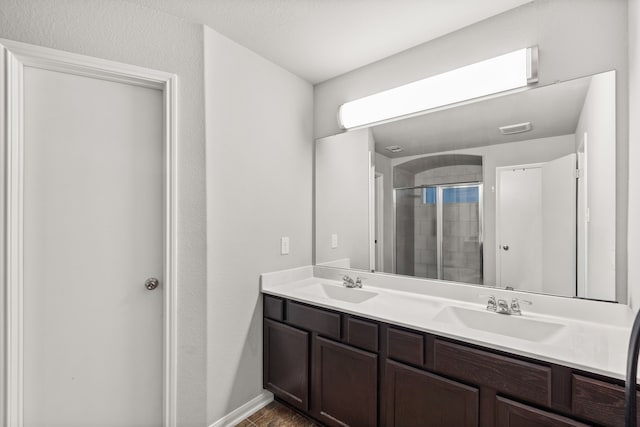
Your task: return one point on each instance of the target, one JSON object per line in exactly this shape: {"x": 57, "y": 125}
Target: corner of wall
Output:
{"x": 633, "y": 241}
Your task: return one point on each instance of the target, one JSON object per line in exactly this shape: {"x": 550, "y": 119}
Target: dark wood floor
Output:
{"x": 276, "y": 414}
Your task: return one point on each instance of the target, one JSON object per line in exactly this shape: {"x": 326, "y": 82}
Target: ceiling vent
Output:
{"x": 394, "y": 148}
{"x": 519, "y": 128}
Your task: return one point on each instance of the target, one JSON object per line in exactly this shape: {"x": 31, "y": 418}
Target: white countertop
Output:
{"x": 581, "y": 343}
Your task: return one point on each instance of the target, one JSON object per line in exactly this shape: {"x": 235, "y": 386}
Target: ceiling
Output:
{"x": 553, "y": 110}
{"x": 321, "y": 39}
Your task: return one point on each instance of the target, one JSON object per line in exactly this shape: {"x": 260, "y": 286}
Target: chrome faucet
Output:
{"x": 348, "y": 282}
{"x": 501, "y": 306}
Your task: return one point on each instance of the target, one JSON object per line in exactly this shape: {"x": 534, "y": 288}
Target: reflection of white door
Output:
{"x": 91, "y": 339}
{"x": 536, "y": 226}
{"x": 519, "y": 227}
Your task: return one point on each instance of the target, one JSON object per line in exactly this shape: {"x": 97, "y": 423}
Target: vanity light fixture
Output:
{"x": 505, "y": 72}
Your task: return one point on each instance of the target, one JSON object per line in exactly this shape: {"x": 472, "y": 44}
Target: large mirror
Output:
{"x": 516, "y": 191}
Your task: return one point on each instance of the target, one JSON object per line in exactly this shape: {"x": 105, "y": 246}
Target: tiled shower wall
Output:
{"x": 426, "y": 239}
{"x": 460, "y": 243}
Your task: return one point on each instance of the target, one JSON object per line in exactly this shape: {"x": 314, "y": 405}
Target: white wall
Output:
{"x": 493, "y": 156}
{"x": 634, "y": 154}
{"x": 342, "y": 198}
{"x": 597, "y": 120}
{"x": 2, "y": 247}
{"x": 575, "y": 39}
{"x": 259, "y": 159}
{"x": 121, "y": 31}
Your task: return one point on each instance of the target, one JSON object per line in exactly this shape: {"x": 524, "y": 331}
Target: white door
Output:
{"x": 519, "y": 228}
{"x": 93, "y": 233}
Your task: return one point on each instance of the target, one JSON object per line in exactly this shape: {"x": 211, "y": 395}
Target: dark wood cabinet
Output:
{"x": 344, "y": 384}
{"x": 286, "y": 363}
{"x": 324, "y": 322}
{"x": 273, "y": 308}
{"x": 414, "y": 397}
{"x": 514, "y": 414}
{"x": 405, "y": 346}
{"x": 361, "y": 333}
{"x": 518, "y": 378}
{"x": 599, "y": 401}
{"x": 344, "y": 370}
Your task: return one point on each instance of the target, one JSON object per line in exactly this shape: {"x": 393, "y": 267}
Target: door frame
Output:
{"x": 379, "y": 220}
{"x": 14, "y": 57}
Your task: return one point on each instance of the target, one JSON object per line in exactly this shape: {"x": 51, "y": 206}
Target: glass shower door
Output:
{"x": 461, "y": 241}
{"x": 438, "y": 233}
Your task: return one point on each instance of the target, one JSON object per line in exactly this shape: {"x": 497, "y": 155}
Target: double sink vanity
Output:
{"x": 485, "y": 248}
{"x": 402, "y": 351}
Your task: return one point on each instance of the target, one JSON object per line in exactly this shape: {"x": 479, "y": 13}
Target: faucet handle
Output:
{"x": 515, "y": 305}
{"x": 347, "y": 281}
{"x": 359, "y": 281}
{"x": 491, "y": 301}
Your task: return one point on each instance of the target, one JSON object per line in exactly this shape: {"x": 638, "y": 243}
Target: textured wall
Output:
{"x": 120, "y": 31}
{"x": 597, "y": 120}
{"x": 259, "y": 187}
{"x": 342, "y": 198}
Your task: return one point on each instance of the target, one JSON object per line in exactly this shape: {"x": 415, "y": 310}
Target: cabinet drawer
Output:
{"x": 318, "y": 320}
{"x": 512, "y": 414}
{"x": 361, "y": 333}
{"x": 405, "y": 346}
{"x": 511, "y": 376}
{"x": 273, "y": 308}
{"x": 599, "y": 401}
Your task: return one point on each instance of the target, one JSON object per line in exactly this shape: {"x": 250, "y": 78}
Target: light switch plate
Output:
{"x": 334, "y": 240}
{"x": 284, "y": 246}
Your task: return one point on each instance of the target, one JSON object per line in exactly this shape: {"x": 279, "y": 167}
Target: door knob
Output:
{"x": 151, "y": 283}
{"x": 505, "y": 247}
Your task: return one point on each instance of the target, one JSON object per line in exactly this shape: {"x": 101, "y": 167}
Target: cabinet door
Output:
{"x": 344, "y": 384}
{"x": 599, "y": 401}
{"x": 514, "y": 414}
{"x": 286, "y": 363}
{"x": 417, "y": 398}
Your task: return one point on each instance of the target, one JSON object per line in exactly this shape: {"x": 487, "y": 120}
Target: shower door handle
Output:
{"x": 505, "y": 247}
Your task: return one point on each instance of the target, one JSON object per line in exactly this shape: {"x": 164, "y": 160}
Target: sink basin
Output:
{"x": 523, "y": 328}
{"x": 334, "y": 292}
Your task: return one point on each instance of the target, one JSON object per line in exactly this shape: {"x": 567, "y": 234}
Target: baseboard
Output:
{"x": 244, "y": 411}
